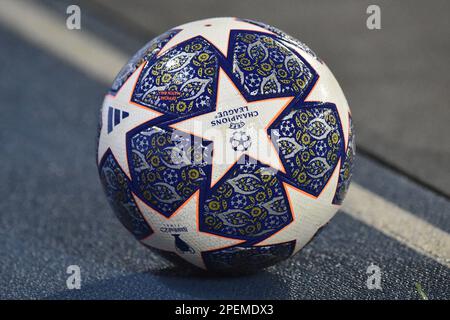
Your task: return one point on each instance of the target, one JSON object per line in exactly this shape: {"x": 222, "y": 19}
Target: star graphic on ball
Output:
{"x": 213, "y": 127}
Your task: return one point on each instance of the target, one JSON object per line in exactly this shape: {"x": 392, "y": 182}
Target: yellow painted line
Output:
{"x": 101, "y": 61}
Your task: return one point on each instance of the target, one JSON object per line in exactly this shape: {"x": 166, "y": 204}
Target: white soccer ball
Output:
{"x": 226, "y": 143}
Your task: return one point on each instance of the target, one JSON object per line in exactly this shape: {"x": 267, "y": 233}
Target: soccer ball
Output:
{"x": 226, "y": 143}
{"x": 240, "y": 141}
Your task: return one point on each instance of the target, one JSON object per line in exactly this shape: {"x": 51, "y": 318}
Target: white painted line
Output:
{"x": 102, "y": 62}
{"x": 398, "y": 223}
{"x": 48, "y": 31}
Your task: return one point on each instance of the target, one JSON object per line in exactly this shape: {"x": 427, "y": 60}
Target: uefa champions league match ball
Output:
{"x": 227, "y": 143}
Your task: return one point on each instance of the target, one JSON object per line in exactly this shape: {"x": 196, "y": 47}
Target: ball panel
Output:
{"x": 266, "y": 68}
{"x": 166, "y": 166}
{"x": 247, "y": 259}
{"x": 249, "y": 203}
{"x": 310, "y": 143}
{"x": 116, "y": 186}
{"x": 182, "y": 81}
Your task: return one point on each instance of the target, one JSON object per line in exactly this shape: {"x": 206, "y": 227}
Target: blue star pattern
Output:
{"x": 345, "y": 173}
{"x": 309, "y": 141}
{"x": 182, "y": 81}
{"x": 247, "y": 259}
{"x": 116, "y": 186}
{"x": 146, "y": 53}
{"x": 166, "y": 167}
{"x": 248, "y": 204}
{"x": 266, "y": 68}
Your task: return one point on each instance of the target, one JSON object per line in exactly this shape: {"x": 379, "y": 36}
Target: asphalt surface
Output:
{"x": 54, "y": 213}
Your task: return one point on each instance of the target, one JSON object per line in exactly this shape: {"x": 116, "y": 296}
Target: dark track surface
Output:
{"x": 54, "y": 213}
